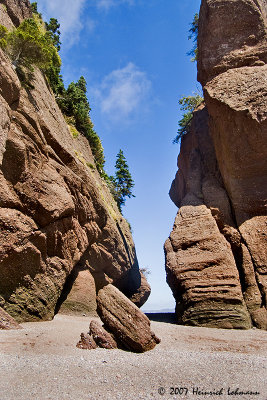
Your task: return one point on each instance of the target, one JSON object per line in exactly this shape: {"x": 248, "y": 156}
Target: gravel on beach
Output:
{"x": 41, "y": 362}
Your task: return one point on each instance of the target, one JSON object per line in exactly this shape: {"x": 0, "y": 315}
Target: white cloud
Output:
{"x": 123, "y": 91}
{"x": 107, "y": 4}
{"x": 68, "y": 15}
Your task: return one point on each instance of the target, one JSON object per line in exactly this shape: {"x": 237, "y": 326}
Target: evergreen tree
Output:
{"x": 193, "y": 34}
{"x": 53, "y": 28}
{"x": 53, "y": 72}
{"x": 82, "y": 85}
{"x": 34, "y": 9}
{"x": 74, "y": 103}
{"x": 123, "y": 182}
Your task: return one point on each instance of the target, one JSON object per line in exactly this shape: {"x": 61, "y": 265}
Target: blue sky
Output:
{"x": 132, "y": 54}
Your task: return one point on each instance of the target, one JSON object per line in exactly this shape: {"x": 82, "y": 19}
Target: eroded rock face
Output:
{"x": 79, "y": 294}
{"x": 7, "y": 322}
{"x": 56, "y": 213}
{"x": 232, "y": 34}
{"x": 223, "y": 173}
{"x": 200, "y": 264}
{"x": 13, "y": 12}
{"x": 122, "y": 317}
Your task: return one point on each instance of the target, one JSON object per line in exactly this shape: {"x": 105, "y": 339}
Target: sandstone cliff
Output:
{"x": 60, "y": 229}
{"x": 216, "y": 253}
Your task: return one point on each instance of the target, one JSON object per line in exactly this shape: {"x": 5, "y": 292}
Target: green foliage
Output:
{"x": 4, "y": 7}
{"x": 90, "y": 166}
{"x": 73, "y": 131}
{"x": 35, "y": 43}
{"x": 53, "y": 29}
{"x": 34, "y": 10}
{"x": 3, "y": 36}
{"x": 55, "y": 79}
{"x": 188, "y": 104}
{"x": 34, "y": 7}
{"x": 73, "y": 103}
{"x": 27, "y": 45}
{"x": 193, "y": 34}
{"x": 53, "y": 72}
{"x": 121, "y": 185}
{"x": 52, "y": 35}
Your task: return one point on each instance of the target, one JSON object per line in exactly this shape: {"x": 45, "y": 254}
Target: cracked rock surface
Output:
{"x": 58, "y": 219}
{"x": 216, "y": 254}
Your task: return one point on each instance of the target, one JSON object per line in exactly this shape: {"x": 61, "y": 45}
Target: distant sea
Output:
{"x": 162, "y": 311}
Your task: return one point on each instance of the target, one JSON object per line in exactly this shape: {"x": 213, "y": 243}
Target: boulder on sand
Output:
{"x": 102, "y": 338}
{"x": 86, "y": 342}
{"x": 129, "y": 325}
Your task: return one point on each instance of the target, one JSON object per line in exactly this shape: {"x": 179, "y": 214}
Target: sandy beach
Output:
{"x": 41, "y": 362}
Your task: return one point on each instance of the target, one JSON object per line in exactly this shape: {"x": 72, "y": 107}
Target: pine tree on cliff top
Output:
{"x": 193, "y": 35}
{"x": 53, "y": 28}
{"x": 189, "y": 103}
{"x": 123, "y": 181}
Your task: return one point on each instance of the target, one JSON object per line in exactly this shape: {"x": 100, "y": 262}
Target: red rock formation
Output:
{"x": 13, "y": 12}
{"x": 7, "y": 322}
{"x": 56, "y": 213}
{"x": 222, "y": 175}
{"x": 102, "y": 338}
{"x": 86, "y": 342}
{"x": 232, "y": 34}
{"x": 129, "y": 325}
{"x": 78, "y": 295}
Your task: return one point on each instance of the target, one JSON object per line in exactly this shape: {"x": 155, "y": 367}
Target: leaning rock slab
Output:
{"x": 129, "y": 325}
{"x": 7, "y": 322}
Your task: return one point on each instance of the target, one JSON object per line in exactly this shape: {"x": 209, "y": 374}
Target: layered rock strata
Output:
{"x": 58, "y": 219}
{"x": 216, "y": 254}
{"x": 125, "y": 325}
{"x": 129, "y": 325}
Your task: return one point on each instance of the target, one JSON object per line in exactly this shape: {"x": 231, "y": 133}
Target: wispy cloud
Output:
{"x": 122, "y": 91}
{"x": 68, "y": 15}
{"x": 107, "y": 4}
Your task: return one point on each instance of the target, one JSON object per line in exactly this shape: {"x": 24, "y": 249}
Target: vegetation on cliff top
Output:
{"x": 193, "y": 34}
{"x": 73, "y": 103}
{"x": 36, "y": 43}
{"x": 189, "y": 103}
{"x": 29, "y": 44}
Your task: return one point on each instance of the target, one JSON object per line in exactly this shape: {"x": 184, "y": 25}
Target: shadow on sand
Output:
{"x": 170, "y": 318}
